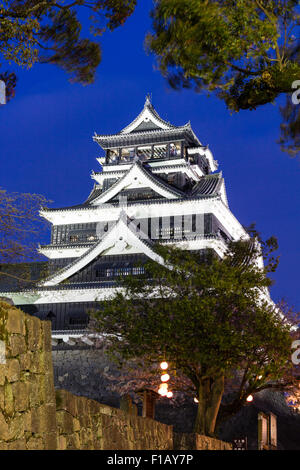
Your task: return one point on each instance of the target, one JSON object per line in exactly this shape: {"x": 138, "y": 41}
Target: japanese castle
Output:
{"x": 157, "y": 182}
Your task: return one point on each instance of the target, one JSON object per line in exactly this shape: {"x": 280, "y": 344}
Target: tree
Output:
{"x": 20, "y": 224}
{"x": 50, "y": 32}
{"x": 244, "y": 51}
{"x": 210, "y": 319}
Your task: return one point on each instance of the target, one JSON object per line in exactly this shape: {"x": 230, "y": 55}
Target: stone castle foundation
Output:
{"x": 35, "y": 416}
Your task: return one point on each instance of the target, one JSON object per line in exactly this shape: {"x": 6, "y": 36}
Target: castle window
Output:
{"x": 160, "y": 151}
{"x": 127, "y": 154}
{"x": 113, "y": 155}
{"x": 91, "y": 238}
{"x": 144, "y": 153}
{"x": 175, "y": 149}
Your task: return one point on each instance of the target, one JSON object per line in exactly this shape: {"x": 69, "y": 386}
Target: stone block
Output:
{"x": 2, "y": 373}
{"x": 43, "y": 419}
{"x": 73, "y": 441}
{"x": 64, "y": 422}
{"x": 61, "y": 442}
{"x": 41, "y": 362}
{"x": 33, "y": 327}
{"x": 106, "y": 410}
{"x": 192, "y": 441}
{"x": 94, "y": 407}
{"x": 25, "y": 361}
{"x": 66, "y": 401}
{"x": 50, "y": 415}
{"x": 35, "y": 421}
{"x": 27, "y": 421}
{"x": 34, "y": 392}
{"x": 50, "y": 441}
{"x": 19, "y": 444}
{"x": 76, "y": 425}
{"x": 35, "y": 443}
{"x": 12, "y": 370}
{"x": 20, "y": 391}
{"x": 82, "y": 406}
{"x": 11, "y": 429}
{"x": 72, "y": 404}
{"x": 46, "y": 328}
{"x": 36, "y": 363}
{"x": 15, "y": 322}
{"x": 4, "y": 429}
{"x": 17, "y": 345}
{"x": 87, "y": 439}
{"x": 9, "y": 407}
{"x": 47, "y": 387}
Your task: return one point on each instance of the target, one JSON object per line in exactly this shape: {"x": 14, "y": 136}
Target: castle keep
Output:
{"x": 157, "y": 182}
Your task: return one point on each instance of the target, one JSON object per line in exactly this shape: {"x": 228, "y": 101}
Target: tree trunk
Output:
{"x": 210, "y": 394}
{"x": 229, "y": 410}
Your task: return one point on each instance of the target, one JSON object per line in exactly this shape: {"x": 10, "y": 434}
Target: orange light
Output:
{"x": 169, "y": 394}
{"x": 196, "y": 400}
{"x": 249, "y": 398}
{"x": 163, "y": 393}
{"x": 165, "y": 377}
{"x": 163, "y": 387}
{"x": 164, "y": 365}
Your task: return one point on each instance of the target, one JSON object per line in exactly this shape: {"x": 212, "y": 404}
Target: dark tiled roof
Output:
{"x": 208, "y": 185}
{"x": 107, "y": 139}
{"x": 96, "y": 191}
{"x": 193, "y": 197}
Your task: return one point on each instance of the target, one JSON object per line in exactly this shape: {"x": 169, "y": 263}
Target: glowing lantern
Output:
{"x": 249, "y": 398}
{"x": 164, "y": 365}
{"x": 196, "y": 400}
{"x": 165, "y": 377}
{"x": 169, "y": 394}
{"x": 163, "y": 387}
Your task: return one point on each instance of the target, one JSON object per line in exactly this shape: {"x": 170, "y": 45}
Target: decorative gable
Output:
{"x": 136, "y": 178}
{"x": 148, "y": 119}
{"x": 120, "y": 239}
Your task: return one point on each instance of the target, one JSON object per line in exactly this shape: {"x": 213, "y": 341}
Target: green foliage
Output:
{"x": 50, "y": 32}
{"x": 206, "y": 317}
{"x": 244, "y": 51}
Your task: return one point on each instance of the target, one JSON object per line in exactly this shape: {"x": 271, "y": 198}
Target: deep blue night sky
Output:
{"x": 46, "y": 142}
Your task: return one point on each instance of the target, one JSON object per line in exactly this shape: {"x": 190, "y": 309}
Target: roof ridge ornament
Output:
{"x": 148, "y": 100}
{"x": 148, "y": 114}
